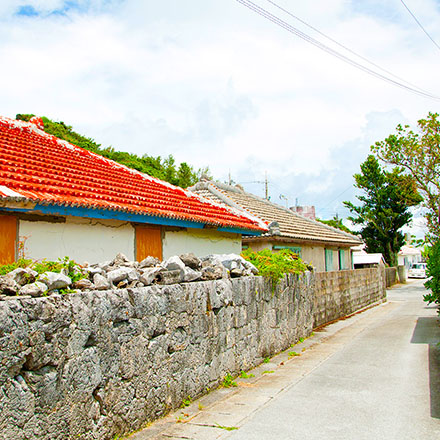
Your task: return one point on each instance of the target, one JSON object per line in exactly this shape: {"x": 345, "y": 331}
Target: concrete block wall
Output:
{"x": 98, "y": 364}
{"x": 391, "y": 276}
{"x": 341, "y": 293}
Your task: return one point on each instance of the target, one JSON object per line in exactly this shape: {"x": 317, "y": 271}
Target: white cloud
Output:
{"x": 214, "y": 84}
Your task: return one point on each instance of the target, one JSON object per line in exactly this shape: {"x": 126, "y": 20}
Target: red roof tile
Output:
{"x": 45, "y": 169}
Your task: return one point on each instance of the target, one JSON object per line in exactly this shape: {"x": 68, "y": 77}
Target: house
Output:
{"x": 326, "y": 248}
{"x": 57, "y": 200}
{"x": 409, "y": 255}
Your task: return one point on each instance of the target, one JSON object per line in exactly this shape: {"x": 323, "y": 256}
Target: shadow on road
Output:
{"x": 427, "y": 331}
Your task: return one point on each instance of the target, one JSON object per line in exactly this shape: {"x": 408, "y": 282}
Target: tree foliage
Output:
{"x": 384, "y": 207}
{"x": 165, "y": 169}
{"x": 337, "y": 223}
{"x": 419, "y": 155}
{"x": 433, "y": 272}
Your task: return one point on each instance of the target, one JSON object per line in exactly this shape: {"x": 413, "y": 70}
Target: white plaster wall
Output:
{"x": 79, "y": 239}
{"x": 201, "y": 242}
{"x": 314, "y": 255}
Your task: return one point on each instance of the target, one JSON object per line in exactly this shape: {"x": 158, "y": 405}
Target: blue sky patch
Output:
{"x": 27, "y": 11}
{"x": 67, "y": 6}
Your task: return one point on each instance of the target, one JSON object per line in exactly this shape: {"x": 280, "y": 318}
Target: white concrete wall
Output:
{"x": 79, "y": 239}
{"x": 201, "y": 242}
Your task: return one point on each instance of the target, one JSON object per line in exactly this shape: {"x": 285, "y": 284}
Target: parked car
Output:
{"x": 417, "y": 270}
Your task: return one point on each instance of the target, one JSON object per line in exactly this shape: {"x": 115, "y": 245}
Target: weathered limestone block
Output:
{"x": 18, "y": 406}
{"x": 22, "y": 276}
{"x": 122, "y": 273}
{"x": 33, "y": 289}
{"x": 44, "y": 384}
{"x": 8, "y": 286}
{"x": 214, "y": 272}
{"x": 83, "y": 283}
{"x": 135, "y": 359}
{"x": 150, "y": 274}
{"x": 149, "y": 262}
{"x": 220, "y": 294}
{"x": 191, "y": 274}
{"x": 174, "y": 263}
{"x": 170, "y": 277}
{"x": 55, "y": 280}
{"x": 82, "y": 373}
{"x": 101, "y": 282}
{"x": 191, "y": 261}
{"x": 120, "y": 259}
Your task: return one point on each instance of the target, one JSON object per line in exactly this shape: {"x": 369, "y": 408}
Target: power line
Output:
{"x": 279, "y": 22}
{"x": 420, "y": 24}
{"x": 341, "y": 45}
{"x": 336, "y": 198}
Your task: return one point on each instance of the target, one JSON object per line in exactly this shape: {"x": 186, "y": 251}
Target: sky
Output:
{"x": 215, "y": 84}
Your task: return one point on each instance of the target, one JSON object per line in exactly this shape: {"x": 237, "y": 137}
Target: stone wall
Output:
{"x": 341, "y": 293}
{"x": 97, "y": 364}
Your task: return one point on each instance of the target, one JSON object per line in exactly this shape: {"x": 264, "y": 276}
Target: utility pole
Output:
{"x": 266, "y": 186}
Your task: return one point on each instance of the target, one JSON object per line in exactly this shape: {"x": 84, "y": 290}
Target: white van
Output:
{"x": 417, "y": 270}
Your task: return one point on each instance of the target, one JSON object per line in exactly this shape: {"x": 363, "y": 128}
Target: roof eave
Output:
{"x": 26, "y": 205}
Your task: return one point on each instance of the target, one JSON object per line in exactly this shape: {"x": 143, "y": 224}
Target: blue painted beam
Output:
{"x": 240, "y": 231}
{"x": 121, "y": 215}
{"x": 106, "y": 214}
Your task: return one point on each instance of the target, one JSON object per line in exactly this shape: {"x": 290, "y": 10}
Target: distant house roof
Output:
{"x": 409, "y": 250}
{"x": 289, "y": 225}
{"x": 56, "y": 177}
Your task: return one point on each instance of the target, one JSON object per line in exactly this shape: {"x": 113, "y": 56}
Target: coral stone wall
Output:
{"x": 341, "y": 293}
{"x": 97, "y": 364}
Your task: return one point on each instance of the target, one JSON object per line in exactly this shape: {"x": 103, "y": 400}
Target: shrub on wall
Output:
{"x": 275, "y": 265}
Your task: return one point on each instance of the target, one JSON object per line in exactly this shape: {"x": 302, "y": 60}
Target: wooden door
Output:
{"x": 8, "y": 238}
{"x": 148, "y": 242}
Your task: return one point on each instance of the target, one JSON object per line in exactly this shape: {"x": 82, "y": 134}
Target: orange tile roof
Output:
{"x": 38, "y": 167}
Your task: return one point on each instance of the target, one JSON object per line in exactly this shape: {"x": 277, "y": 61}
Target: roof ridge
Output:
{"x": 224, "y": 188}
{"x": 289, "y": 211}
{"x": 230, "y": 204}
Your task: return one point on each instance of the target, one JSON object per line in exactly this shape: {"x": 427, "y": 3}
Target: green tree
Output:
{"x": 164, "y": 169}
{"x": 419, "y": 155}
{"x": 337, "y": 223}
{"x": 433, "y": 272}
{"x": 185, "y": 174}
{"x": 384, "y": 208}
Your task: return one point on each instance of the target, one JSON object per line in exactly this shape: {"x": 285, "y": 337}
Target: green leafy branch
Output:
{"x": 275, "y": 265}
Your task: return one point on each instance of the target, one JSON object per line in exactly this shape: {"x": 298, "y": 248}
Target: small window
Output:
{"x": 341, "y": 255}
{"x": 328, "y": 260}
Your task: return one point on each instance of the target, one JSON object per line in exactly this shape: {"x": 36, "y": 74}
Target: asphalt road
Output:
{"x": 373, "y": 376}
